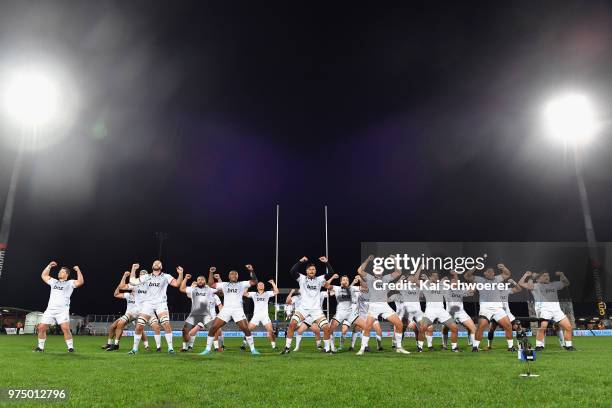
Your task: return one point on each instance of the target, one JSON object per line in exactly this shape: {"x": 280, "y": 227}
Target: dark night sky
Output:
{"x": 412, "y": 123}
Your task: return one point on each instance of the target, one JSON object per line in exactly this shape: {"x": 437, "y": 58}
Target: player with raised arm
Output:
{"x": 232, "y": 306}
{"x": 310, "y": 305}
{"x": 261, "y": 298}
{"x": 115, "y": 330}
{"x": 155, "y": 300}
{"x": 346, "y": 315}
{"x": 547, "y": 307}
{"x": 199, "y": 317}
{"x": 58, "y": 308}
{"x": 378, "y": 306}
{"x": 435, "y": 311}
{"x": 505, "y": 298}
{"x": 491, "y": 306}
{"x": 454, "y": 306}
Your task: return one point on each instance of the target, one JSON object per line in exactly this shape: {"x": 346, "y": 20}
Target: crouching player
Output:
{"x": 199, "y": 317}
{"x": 261, "y": 316}
{"x": 232, "y": 307}
{"x": 58, "y": 308}
{"x": 435, "y": 311}
{"x": 547, "y": 307}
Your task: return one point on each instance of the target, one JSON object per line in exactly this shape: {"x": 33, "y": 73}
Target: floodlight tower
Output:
{"x": 571, "y": 118}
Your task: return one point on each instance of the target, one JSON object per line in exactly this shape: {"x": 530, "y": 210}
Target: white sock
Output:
{"x": 476, "y": 343}
{"x": 568, "y": 343}
{"x": 318, "y": 343}
{"x": 191, "y": 341}
{"x": 109, "y": 341}
{"x": 298, "y": 340}
{"x": 289, "y": 340}
{"x": 561, "y": 337}
{"x": 354, "y": 339}
{"x": 273, "y": 343}
{"x": 137, "y": 338}
{"x": 471, "y": 338}
{"x": 539, "y": 343}
{"x": 429, "y": 340}
{"x": 216, "y": 344}
{"x": 364, "y": 342}
{"x": 168, "y": 337}
{"x": 145, "y": 342}
{"x": 378, "y": 338}
{"x": 116, "y": 342}
{"x": 488, "y": 342}
{"x": 209, "y": 342}
{"x": 157, "y": 340}
{"x": 398, "y": 340}
{"x": 420, "y": 344}
{"x": 221, "y": 339}
{"x": 326, "y": 342}
{"x": 41, "y": 343}
{"x": 444, "y": 341}
{"x": 249, "y": 340}
{"x": 69, "y": 343}
{"x": 184, "y": 345}
{"x": 510, "y": 343}
{"x": 453, "y": 346}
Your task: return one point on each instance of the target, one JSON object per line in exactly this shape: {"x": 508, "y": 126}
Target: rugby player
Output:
{"x": 58, "y": 307}
{"x": 201, "y": 297}
{"x": 232, "y": 307}
{"x": 310, "y": 305}
{"x": 491, "y": 306}
{"x": 378, "y": 306}
{"x": 454, "y": 306}
{"x": 547, "y": 307}
{"x": 346, "y": 315}
{"x": 504, "y": 296}
{"x": 261, "y": 299}
{"x": 155, "y": 300}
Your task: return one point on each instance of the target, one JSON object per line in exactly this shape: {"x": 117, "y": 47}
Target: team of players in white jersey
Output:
{"x": 359, "y": 306}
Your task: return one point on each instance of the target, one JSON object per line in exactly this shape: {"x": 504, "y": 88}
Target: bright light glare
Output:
{"x": 571, "y": 118}
{"x": 31, "y": 98}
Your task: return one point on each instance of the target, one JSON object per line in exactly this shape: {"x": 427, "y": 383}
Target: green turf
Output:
{"x": 308, "y": 378}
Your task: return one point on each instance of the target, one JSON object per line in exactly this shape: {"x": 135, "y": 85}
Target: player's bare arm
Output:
{"x": 524, "y": 281}
{"x": 211, "y": 277}
{"x": 252, "y": 277}
{"x": 133, "y": 279}
{"x": 45, "y": 276}
{"x": 176, "y": 282}
{"x": 118, "y": 294}
{"x": 563, "y": 278}
{"x": 274, "y": 287}
{"x": 183, "y": 287}
{"x": 362, "y": 268}
{"x": 80, "y": 281}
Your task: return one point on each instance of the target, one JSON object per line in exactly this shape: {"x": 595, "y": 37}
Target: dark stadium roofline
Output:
{"x": 14, "y": 309}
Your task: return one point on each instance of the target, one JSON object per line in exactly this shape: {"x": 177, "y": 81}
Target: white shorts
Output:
{"x": 58, "y": 316}
{"x": 345, "y": 315}
{"x": 362, "y": 309}
{"x": 262, "y": 319}
{"x": 555, "y": 314}
{"x": 441, "y": 315}
{"x": 150, "y": 309}
{"x": 376, "y": 309}
{"x": 310, "y": 315}
{"x": 201, "y": 320}
{"x": 460, "y": 315}
{"x": 228, "y": 313}
{"x": 410, "y": 311}
{"x": 492, "y": 313}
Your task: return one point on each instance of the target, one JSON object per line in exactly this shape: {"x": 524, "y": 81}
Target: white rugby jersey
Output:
{"x": 454, "y": 299}
{"x": 200, "y": 299}
{"x": 59, "y": 298}
{"x": 546, "y": 294}
{"x": 434, "y": 298}
{"x": 296, "y": 301}
{"x": 214, "y": 302}
{"x": 260, "y": 300}
{"x": 344, "y": 297}
{"x": 130, "y": 299}
{"x": 489, "y": 298}
{"x": 156, "y": 287}
{"x": 232, "y": 293}
{"x": 310, "y": 290}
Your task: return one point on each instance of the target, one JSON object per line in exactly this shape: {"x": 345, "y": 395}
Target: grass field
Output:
{"x": 307, "y": 378}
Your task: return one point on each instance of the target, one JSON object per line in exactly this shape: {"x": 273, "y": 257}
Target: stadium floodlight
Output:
{"x": 571, "y": 118}
{"x": 31, "y": 98}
